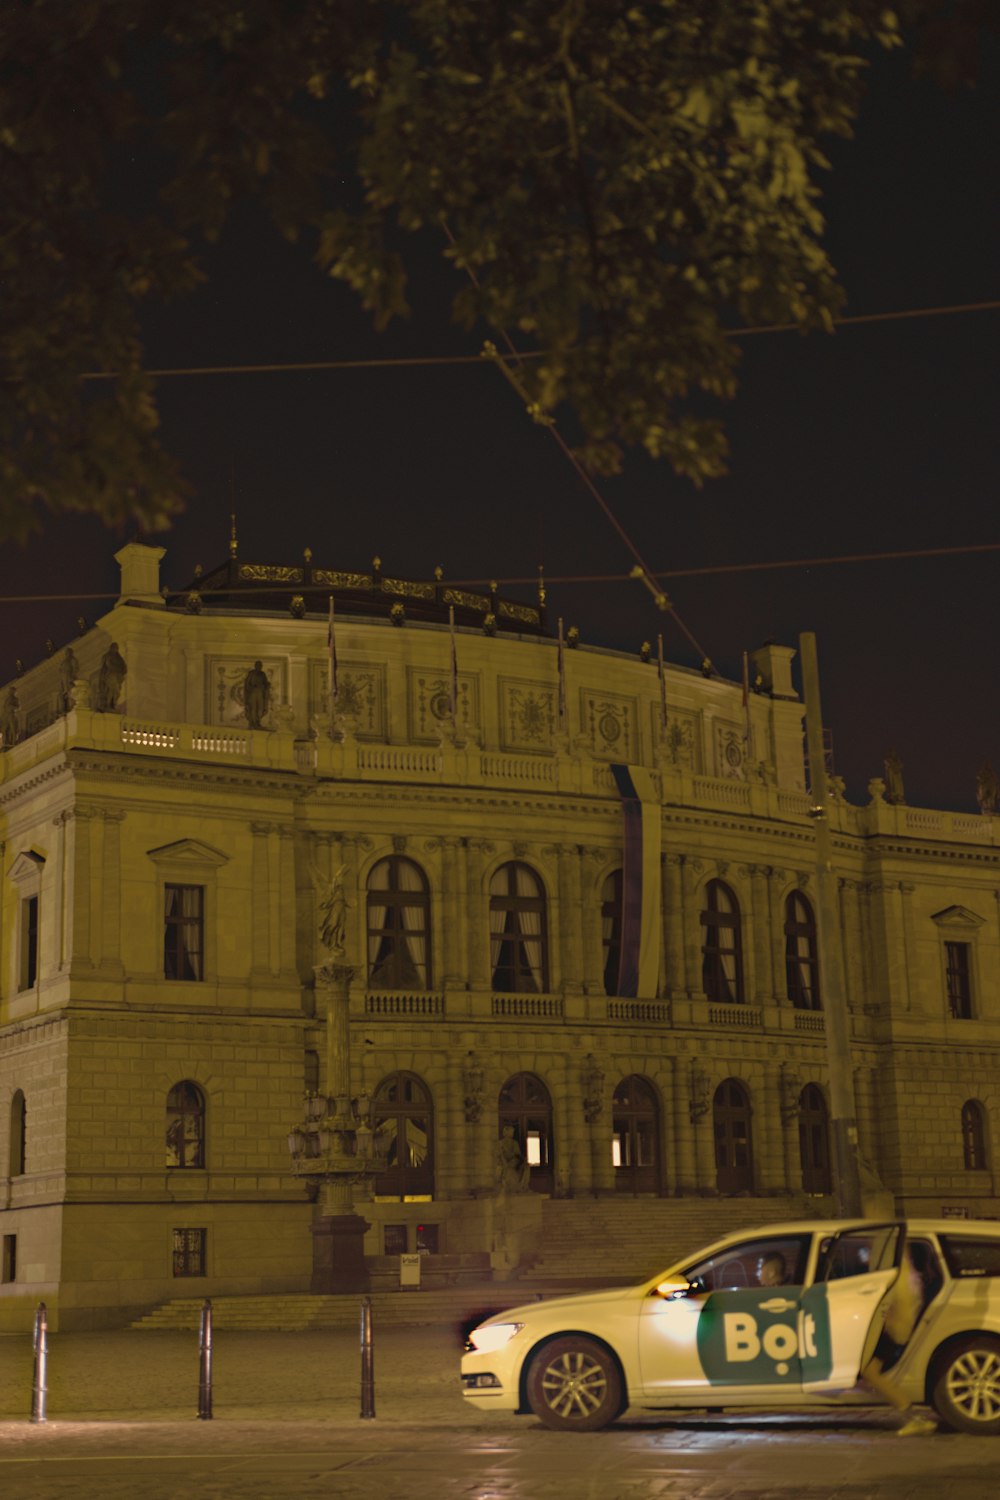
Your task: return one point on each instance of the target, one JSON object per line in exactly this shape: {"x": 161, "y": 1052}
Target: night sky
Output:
{"x": 880, "y": 438}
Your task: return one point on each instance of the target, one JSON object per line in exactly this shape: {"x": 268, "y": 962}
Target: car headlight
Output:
{"x": 493, "y": 1335}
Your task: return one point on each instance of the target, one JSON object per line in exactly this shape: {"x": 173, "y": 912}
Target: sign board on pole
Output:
{"x": 409, "y": 1271}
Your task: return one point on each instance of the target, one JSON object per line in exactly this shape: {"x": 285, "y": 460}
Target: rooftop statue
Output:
{"x": 110, "y": 679}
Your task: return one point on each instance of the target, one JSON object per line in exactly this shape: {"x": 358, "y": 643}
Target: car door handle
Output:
{"x": 776, "y": 1305}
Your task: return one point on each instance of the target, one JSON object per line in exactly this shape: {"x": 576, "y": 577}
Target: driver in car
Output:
{"x": 771, "y": 1269}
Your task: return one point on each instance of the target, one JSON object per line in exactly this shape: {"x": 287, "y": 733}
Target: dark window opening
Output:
{"x": 959, "y": 980}
{"x": 185, "y": 1126}
{"x": 518, "y": 940}
{"x": 18, "y": 1135}
{"x": 29, "y": 943}
{"x": 733, "y": 1143}
{"x": 9, "y": 1258}
{"x": 611, "y": 930}
{"x": 427, "y": 1239}
{"x": 398, "y": 926}
{"x": 974, "y": 1136}
{"x": 190, "y": 1246}
{"x": 394, "y": 1239}
{"x": 801, "y": 962}
{"x": 722, "y": 952}
{"x": 183, "y": 932}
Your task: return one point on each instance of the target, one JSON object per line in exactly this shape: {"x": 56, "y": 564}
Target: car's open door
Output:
{"x": 842, "y": 1312}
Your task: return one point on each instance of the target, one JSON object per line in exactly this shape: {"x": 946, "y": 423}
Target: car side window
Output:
{"x": 968, "y": 1256}
{"x": 778, "y": 1260}
{"x": 857, "y": 1253}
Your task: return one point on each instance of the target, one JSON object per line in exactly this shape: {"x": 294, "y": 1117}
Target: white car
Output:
{"x": 783, "y": 1316}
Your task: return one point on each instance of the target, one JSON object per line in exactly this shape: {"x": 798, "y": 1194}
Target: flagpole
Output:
{"x": 663, "y": 685}
{"x": 453, "y": 691}
{"x": 562, "y": 679}
{"x": 331, "y": 667}
{"x": 747, "y": 731}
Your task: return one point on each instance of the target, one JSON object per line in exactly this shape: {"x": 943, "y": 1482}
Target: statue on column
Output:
{"x": 256, "y": 695}
{"x": 110, "y": 679}
{"x": 333, "y": 914}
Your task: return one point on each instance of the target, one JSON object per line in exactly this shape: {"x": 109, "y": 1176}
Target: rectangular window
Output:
{"x": 959, "y": 980}
{"x": 183, "y": 931}
{"x": 9, "y": 1257}
{"x": 395, "y": 1239}
{"x": 29, "y": 943}
{"x": 189, "y": 1251}
{"x": 427, "y": 1239}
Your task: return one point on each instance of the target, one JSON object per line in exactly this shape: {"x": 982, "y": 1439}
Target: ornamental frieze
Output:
{"x": 361, "y": 693}
{"x": 609, "y": 725}
{"x": 527, "y": 714}
{"x": 429, "y": 702}
{"x": 730, "y": 752}
{"x": 682, "y": 741}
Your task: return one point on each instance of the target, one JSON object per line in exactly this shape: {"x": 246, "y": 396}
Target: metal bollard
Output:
{"x": 367, "y": 1360}
{"x": 205, "y": 1363}
{"x": 39, "y": 1387}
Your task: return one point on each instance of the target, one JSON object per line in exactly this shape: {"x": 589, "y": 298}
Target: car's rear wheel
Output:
{"x": 574, "y": 1384}
{"x": 967, "y": 1387}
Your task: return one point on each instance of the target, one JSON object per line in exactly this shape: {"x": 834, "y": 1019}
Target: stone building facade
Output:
{"x": 166, "y": 846}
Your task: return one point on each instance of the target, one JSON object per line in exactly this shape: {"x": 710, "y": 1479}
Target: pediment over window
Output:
{"x": 27, "y": 867}
{"x": 958, "y": 917}
{"x": 188, "y": 852}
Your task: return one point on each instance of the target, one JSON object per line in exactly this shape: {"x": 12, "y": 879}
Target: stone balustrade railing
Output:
{"x": 457, "y": 764}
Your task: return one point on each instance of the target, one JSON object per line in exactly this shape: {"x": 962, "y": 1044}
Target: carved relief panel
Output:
{"x": 429, "y": 703}
{"x": 360, "y": 695}
{"x": 683, "y": 745}
{"x": 730, "y": 752}
{"x": 609, "y": 723}
{"x": 528, "y": 712}
{"x": 224, "y": 679}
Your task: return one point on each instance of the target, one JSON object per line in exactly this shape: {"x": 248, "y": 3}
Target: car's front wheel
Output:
{"x": 574, "y": 1384}
{"x": 966, "y": 1392}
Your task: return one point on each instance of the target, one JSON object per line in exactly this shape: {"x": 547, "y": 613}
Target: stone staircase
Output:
{"x": 299, "y": 1312}
{"x": 589, "y": 1242}
{"x": 620, "y": 1240}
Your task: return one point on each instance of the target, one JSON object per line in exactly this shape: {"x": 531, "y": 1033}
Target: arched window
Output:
{"x": 525, "y": 1105}
{"x": 722, "y": 953}
{"x": 801, "y": 962}
{"x": 185, "y": 1125}
{"x": 518, "y": 940}
{"x": 403, "y": 1119}
{"x": 18, "y": 1138}
{"x": 974, "y": 1136}
{"x": 733, "y": 1145}
{"x": 398, "y": 926}
{"x": 635, "y": 1139}
{"x": 611, "y": 930}
{"x": 814, "y": 1140}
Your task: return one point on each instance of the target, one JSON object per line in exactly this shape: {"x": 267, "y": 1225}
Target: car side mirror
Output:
{"x": 671, "y": 1291}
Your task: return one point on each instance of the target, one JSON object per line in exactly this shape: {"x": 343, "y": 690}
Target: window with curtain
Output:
{"x": 974, "y": 1136}
{"x": 18, "y": 1136}
{"x": 398, "y": 925}
{"x": 801, "y": 954}
{"x": 518, "y": 939}
{"x": 185, "y": 1125}
{"x": 722, "y": 954}
{"x": 183, "y": 931}
{"x": 403, "y": 1119}
{"x": 611, "y": 930}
